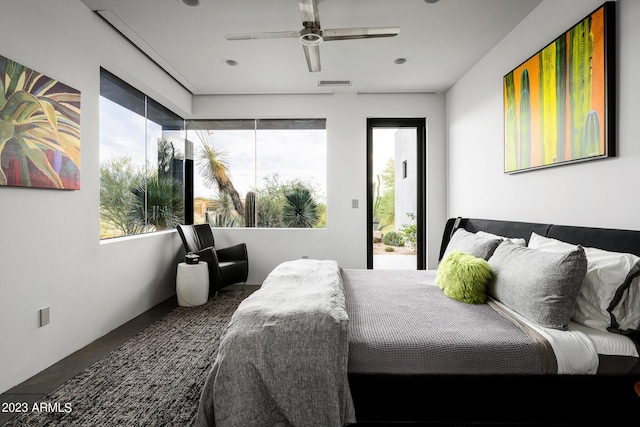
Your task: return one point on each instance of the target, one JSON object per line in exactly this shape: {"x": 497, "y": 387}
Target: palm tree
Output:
{"x": 168, "y": 158}
{"x": 214, "y": 169}
{"x": 299, "y": 210}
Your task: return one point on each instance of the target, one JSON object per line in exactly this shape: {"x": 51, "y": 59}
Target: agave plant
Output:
{"x": 223, "y": 213}
{"x": 39, "y": 125}
{"x": 299, "y": 210}
{"x": 158, "y": 203}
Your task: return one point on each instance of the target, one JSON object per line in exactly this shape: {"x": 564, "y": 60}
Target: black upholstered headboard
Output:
{"x": 627, "y": 241}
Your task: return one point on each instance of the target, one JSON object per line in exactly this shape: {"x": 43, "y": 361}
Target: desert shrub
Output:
{"x": 393, "y": 239}
{"x": 410, "y": 232}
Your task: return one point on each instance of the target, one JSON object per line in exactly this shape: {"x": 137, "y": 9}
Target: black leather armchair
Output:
{"x": 226, "y": 266}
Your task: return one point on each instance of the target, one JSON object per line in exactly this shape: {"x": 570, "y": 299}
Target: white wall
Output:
{"x": 597, "y": 193}
{"x": 50, "y": 250}
{"x": 405, "y": 150}
{"x": 344, "y": 239}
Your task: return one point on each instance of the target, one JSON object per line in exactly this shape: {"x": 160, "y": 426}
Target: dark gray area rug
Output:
{"x": 154, "y": 379}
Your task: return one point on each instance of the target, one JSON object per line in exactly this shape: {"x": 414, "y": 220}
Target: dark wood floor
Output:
{"x": 42, "y": 384}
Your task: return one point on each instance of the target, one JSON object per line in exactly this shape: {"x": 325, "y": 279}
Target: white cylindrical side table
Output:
{"x": 192, "y": 284}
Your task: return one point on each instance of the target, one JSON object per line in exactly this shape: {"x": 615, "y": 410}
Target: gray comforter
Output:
{"x": 401, "y": 323}
{"x": 283, "y": 359}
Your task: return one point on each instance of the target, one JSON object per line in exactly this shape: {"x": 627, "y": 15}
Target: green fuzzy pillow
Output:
{"x": 464, "y": 277}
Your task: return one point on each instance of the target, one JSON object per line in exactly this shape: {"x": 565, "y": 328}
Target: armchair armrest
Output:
{"x": 209, "y": 255}
{"x": 233, "y": 253}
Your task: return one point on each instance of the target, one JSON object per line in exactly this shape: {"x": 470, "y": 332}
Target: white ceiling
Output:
{"x": 441, "y": 42}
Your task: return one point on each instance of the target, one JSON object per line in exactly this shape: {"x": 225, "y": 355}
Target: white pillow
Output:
{"x": 514, "y": 240}
{"x": 609, "y": 298}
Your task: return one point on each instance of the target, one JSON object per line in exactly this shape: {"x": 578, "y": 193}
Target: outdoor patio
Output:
{"x": 394, "y": 262}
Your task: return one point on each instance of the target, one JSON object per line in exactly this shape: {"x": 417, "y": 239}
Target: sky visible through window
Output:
{"x": 383, "y": 148}
{"x": 117, "y": 124}
{"x": 292, "y": 154}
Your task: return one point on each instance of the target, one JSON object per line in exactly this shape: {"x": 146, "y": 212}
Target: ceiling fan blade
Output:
{"x": 309, "y": 11}
{"x": 359, "y": 33}
{"x": 312, "y": 53}
{"x": 267, "y": 35}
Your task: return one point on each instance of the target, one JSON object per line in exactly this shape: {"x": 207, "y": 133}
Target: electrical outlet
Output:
{"x": 354, "y": 203}
{"x": 44, "y": 316}
{"x": 305, "y": 256}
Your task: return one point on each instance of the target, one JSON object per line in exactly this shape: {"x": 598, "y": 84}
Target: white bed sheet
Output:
{"x": 607, "y": 343}
{"x": 577, "y": 348}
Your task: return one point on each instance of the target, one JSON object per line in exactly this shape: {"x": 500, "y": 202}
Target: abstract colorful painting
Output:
{"x": 39, "y": 130}
{"x": 559, "y": 104}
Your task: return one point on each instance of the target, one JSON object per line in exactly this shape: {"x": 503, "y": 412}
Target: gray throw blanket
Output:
{"x": 283, "y": 359}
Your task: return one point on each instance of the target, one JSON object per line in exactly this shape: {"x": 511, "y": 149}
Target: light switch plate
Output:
{"x": 44, "y": 316}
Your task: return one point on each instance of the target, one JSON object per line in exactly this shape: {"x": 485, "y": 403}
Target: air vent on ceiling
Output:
{"x": 334, "y": 82}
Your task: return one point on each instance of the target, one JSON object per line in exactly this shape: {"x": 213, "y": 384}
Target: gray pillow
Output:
{"x": 472, "y": 244}
{"x": 541, "y": 286}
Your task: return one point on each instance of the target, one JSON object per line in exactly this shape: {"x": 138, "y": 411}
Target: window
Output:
{"x": 141, "y": 162}
{"x": 154, "y": 174}
{"x": 259, "y": 173}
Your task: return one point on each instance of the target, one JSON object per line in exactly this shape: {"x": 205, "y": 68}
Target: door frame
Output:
{"x": 420, "y": 125}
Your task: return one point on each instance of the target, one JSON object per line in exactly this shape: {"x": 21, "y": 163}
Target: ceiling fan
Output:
{"x": 311, "y": 35}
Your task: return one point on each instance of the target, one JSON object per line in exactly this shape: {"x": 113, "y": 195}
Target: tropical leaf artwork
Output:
{"x": 39, "y": 129}
{"x": 556, "y": 103}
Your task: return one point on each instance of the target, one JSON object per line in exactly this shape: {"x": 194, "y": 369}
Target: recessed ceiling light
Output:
{"x": 230, "y": 62}
{"x": 190, "y": 2}
{"x": 400, "y": 61}
{"x": 431, "y": 1}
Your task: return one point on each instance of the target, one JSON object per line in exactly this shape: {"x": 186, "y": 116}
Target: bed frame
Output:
{"x": 550, "y": 400}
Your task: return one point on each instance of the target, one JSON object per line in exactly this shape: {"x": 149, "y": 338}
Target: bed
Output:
{"x": 322, "y": 345}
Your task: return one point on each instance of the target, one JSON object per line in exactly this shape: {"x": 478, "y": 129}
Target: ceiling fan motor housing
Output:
{"x": 311, "y": 35}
